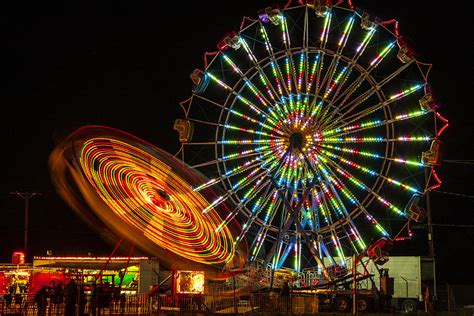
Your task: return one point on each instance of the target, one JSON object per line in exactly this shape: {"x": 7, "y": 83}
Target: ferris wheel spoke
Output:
{"x": 253, "y": 176}
{"x": 305, "y": 52}
{"x": 331, "y": 192}
{"x": 358, "y": 183}
{"x": 264, "y": 229}
{"x": 233, "y": 127}
{"x": 248, "y": 131}
{"x": 256, "y": 188}
{"x": 370, "y": 172}
{"x": 352, "y": 236}
{"x": 320, "y": 59}
{"x": 332, "y": 205}
{"x": 348, "y": 69}
{"x": 365, "y": 42}
{"x": 316, "y": 103}
{"x": 324, "y": 210}
{"x": 282, "y": 168}
{"x": 289, "y": 62}
{"x": 200, "y": 144}
{"x": 265, "y": 150}
{"x": 385, "y": 103}
{"x": 329, "y": 88}
{"x": 338, "y": 82}
{"x": 313, "y": 71}
{"x": 243, "y": 183}
{"x": 366, "y": 125}
{"x": 249, "y": 164}
{"x": 263, "y": 77}
{"x": 345, "y": 34}
{"x": 364, "y": 75}
{"x": 241, "y": 98}
{"x": 329, "y": 75}
{"x": 326, "y": 27}
{"x": 269, "y": 88}
{"x": 276, "y": 127}
{"x": 280, "y": 82}
{"x": 335, "y": 241}
{"x": 380, "y": 56}
{"x": 368, "y": 154}
{"x": 258, "y": 206}
{"x": 302, "y": 72}
{"x": 376, "y": 139}
{"x": 339, "y": 184}
{"x": 249, "y": 83}
{"x": 231, "y": 215}
{"x": 250, "y": 142}
{"x": 330, "y": 83}
{"x": 379, "y": 106}
{"x": 205, "y": 164}
{"x": 237, "y": 156}
{"x": 204, "y": 122}
{"x": 365, "y": 95}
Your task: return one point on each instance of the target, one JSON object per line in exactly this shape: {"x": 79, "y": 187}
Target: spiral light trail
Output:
{"x": 144, "y": 189}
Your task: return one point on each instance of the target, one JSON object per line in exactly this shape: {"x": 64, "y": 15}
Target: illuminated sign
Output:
{"x": 190, "y": 282}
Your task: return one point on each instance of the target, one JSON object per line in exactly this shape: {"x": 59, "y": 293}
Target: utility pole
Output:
{"x": 431, "y": 250}
{"x": 26, "y": 196}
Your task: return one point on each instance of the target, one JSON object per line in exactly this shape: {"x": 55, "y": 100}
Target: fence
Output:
{"x": 23, "y": 304}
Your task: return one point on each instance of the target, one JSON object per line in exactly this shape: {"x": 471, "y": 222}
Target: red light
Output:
{"x": 18, "y": 257}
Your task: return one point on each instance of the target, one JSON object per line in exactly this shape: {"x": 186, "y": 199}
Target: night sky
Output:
{"x": 126, "y": 65}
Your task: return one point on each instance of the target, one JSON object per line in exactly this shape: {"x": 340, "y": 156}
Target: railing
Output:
{"x": 143, "y": 304}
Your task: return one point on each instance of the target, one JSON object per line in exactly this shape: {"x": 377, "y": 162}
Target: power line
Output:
{"x": 446, "y": 225}
{"x": 463, "y": 162}
{"x": 451, "y": 160}
{"x": 455, "y": 194}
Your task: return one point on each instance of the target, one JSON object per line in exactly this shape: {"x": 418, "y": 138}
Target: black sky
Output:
{"x": 127, "y": 65}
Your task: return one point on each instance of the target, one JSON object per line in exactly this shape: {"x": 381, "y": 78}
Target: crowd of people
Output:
{"x": 70, "y": 298}
{"x": 55, "y": 295}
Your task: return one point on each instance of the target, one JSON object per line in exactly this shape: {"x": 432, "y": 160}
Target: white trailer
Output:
{"x": 406, "y": 272}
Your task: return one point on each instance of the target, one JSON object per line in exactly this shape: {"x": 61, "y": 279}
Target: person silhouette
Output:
{"x": 285, "y": 295}
{"x": 70, "y": 297}
{"x": 41, "y": 298}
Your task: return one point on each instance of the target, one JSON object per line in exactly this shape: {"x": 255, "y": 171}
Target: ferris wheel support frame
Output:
{"x": 293, "y": 212}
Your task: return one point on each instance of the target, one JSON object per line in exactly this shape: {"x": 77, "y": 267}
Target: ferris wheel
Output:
{"x": 319, "y": 122}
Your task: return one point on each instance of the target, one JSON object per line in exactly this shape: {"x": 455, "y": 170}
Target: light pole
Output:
{"x": 26, "y": 196}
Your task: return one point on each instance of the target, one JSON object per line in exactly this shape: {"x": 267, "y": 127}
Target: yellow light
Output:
{"x": 190, "y": 282}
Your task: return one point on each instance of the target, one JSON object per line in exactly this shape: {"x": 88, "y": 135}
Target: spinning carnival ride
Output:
{"x": 124, "y": 186}
{"x": 319, "y": 122}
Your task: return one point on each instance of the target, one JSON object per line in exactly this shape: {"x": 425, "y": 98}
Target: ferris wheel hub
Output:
{"x": 296, "y": 140}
